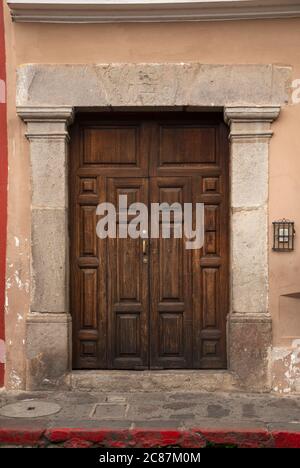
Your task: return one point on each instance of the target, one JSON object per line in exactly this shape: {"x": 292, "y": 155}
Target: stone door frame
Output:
{"x": 48, "y": 97}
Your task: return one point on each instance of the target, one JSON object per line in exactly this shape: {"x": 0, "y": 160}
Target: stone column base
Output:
{"x": 250, "y": 341}
{"x": 48, "y": 352}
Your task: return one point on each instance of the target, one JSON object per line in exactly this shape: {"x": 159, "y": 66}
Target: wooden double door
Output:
{"x": 138, "y": 303}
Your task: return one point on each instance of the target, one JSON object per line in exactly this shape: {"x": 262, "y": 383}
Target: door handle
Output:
{"x": 145, "y": 245}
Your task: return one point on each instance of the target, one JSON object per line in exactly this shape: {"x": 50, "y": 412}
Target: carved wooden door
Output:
{"x": 148, "y": 303}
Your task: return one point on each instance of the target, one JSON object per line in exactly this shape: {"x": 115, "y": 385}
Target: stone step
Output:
{"x": 153, "y": 381}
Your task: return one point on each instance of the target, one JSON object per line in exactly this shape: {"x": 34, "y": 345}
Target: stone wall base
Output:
{"x": 49, "y": 361}
{"x": 48, "y": 350}
{"x": 250, "y": 341}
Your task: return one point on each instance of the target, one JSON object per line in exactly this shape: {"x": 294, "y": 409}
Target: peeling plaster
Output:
{"x": 286, "y": 368}
{"x": 15, "y": 380}
{"x": 6, "y": 304}
{"x": 2, "y": 352}
{"x": 16, "y": 310}
{"x": 2, "y": 92}
{"x": 15, "y": 279}
{"x": 18, "y": 280}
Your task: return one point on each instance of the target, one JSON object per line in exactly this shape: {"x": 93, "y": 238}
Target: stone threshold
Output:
{"x": 153, "y": 381}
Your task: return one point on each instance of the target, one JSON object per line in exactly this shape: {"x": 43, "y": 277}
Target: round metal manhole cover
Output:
{"x": 29, "y": 409}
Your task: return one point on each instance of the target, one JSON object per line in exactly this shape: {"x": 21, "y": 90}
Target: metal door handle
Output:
{"x": 145, "y": 247}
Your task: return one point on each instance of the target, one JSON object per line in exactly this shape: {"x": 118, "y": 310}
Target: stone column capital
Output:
{"x": 255, "y": 113}
{"x": 47, "y": 122}
{"x": 46, "y": 113}
{"x": 250, "y": 122}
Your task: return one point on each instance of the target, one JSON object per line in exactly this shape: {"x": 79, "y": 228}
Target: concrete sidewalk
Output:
{"x": 149, "y": 419}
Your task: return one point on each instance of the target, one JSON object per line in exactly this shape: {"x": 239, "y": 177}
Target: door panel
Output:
{"x": 170, "y": 284}
{"x": 188, "y": 144}
{"x": 107, "y": 146}
{"x": 127, "y": 286}
{"x": 150, "y": 305}
{"x": 111, "y": 145}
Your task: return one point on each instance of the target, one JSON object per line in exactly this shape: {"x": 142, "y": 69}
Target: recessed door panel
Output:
{"x": 127, "y": 285}
{"x": 171, "y": 293}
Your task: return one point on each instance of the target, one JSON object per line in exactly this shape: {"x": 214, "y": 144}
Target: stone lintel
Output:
{"x": 108, "y": 85}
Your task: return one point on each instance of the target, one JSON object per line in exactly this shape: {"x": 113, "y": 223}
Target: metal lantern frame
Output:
{"x": 283, "y": 235}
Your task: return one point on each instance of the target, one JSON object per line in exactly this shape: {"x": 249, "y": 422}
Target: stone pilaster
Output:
{"x": 48, "y": 324}
{"x": 249, "y": 324}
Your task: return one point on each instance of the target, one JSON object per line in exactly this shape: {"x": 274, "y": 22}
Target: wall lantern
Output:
{"x": 283, "y": 235}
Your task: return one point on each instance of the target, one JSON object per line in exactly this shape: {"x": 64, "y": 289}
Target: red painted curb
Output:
{"x": 286, "y": 439}
{"x": 144, "y": 438}
{"x": 250, "y": 438}
{"x": 22, "y": 436}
